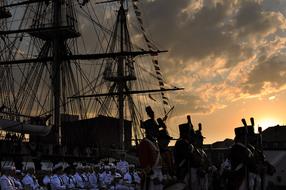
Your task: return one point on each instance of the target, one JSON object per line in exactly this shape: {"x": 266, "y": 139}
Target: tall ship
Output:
{"x": 77, "y": 73}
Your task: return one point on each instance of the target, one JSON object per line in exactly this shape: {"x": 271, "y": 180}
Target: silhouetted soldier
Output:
{"x": 150, "y": 125}
{"x": 149, "y": 155}
{"x": 242, "y": 162}
{"x": 201, "y": 158}
{"x": 183, "y": 154}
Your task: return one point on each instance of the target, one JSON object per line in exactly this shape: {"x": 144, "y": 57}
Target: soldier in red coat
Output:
{"x": 150, "y": 158}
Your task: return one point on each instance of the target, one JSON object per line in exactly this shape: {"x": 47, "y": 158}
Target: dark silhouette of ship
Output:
{"x": 76, "y": 75}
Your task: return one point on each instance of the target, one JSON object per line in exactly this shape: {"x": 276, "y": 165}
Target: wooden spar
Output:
{"x": 128, "y": 93}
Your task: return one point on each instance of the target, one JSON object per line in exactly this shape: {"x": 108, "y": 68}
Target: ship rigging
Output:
{"x": 84, "y": 58}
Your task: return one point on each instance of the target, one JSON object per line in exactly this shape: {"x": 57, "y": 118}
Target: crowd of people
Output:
{"x": 187, "y": 165}
{"x": 113, "y": 176}
{"x": 164, "y": 168}
{"x": 184, "y": 167}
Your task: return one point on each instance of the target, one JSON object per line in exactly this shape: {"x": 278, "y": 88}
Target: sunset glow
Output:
{"x": 268, "y": 122}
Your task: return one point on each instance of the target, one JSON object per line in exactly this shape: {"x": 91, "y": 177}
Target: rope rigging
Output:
{"x": 86, "y": 26}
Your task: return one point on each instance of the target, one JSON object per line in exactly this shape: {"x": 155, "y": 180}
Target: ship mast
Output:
{"x": 54, "y": 29}
{"x": 58, "y": 45}
{"x": 122, "y": 79}
{"x": 121, "y": 82}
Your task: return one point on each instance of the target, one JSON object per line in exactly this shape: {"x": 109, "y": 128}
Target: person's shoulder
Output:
{"x": 26, "y": 177}
{"x": 54, "y": 177}
{"x": 3, "y": 178}
{"x": 126, "y": 174}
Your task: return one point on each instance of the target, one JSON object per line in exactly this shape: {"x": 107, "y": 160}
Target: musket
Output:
{"x": 167, "y": 114}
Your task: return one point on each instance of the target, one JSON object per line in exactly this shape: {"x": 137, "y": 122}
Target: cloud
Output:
{"x": 269, "y": 75}
{"x": 222, "y": 49}
{"x": 252, "y": 20}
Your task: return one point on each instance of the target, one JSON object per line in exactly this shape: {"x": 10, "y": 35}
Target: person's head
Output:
{"x": 31, "y": 170}
{"x": 79, "y": 169}
{"x": 13, "y": 171}
{"x": 122, "y": 156}
{"x": 96, "y": 168}
{"x": 58, "y": 169}
{"x": 131, "y": 168}
{"x": 6, "y": 170}
{"x": 19, "y": 174}
{"x": 150, "y": 112}
{"x": 112, "y": 168}
{"x": 107, "y": 168}
{"x": 102, "y": 168}
{"x": 70, "y": 170}
{"x": 47, "y": 171}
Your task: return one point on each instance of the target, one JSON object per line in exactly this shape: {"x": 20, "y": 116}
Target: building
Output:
{"x": 274, "y": 138}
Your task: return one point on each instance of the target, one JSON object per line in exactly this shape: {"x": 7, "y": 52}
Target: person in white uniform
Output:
{"x": 68, "y": 177}
{"x": 94, "y": 178}
{"x": 57, "y": 183}
{"x": 106, "y": 177}
{"x": 17, "y": 177}
{"x": 30, "y": 181}
{"x": 47, "y": 178}
{"x": 131, "y": 178}
{"x": 80, "y": 178}
{"x": 5, "y": 182}
{"x": 122, "y": 165}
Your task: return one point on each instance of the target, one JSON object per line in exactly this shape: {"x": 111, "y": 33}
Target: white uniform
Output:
{"x": 6, "y": 183}
{"x": 57, "y": 183}
{"x": 81, "y": 180}
{"x": 132, "y": 180}
{"x": 108, "y": 178}
{"x": 94, "y": 181}
{"x": 86, "y": 179}
{"x": 31, "y": 182}
{"x": 116, "y": 182}
{"x": 102, "y": 178}
{"x": 69, "y": 181}
{"x": 122, "y": 166}
{"x": 17, "y": 183}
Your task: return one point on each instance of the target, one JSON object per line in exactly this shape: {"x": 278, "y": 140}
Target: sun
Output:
{"x": 267, "y": 122}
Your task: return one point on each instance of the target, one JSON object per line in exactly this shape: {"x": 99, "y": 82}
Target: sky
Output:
{"x": 229, "y": 55}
